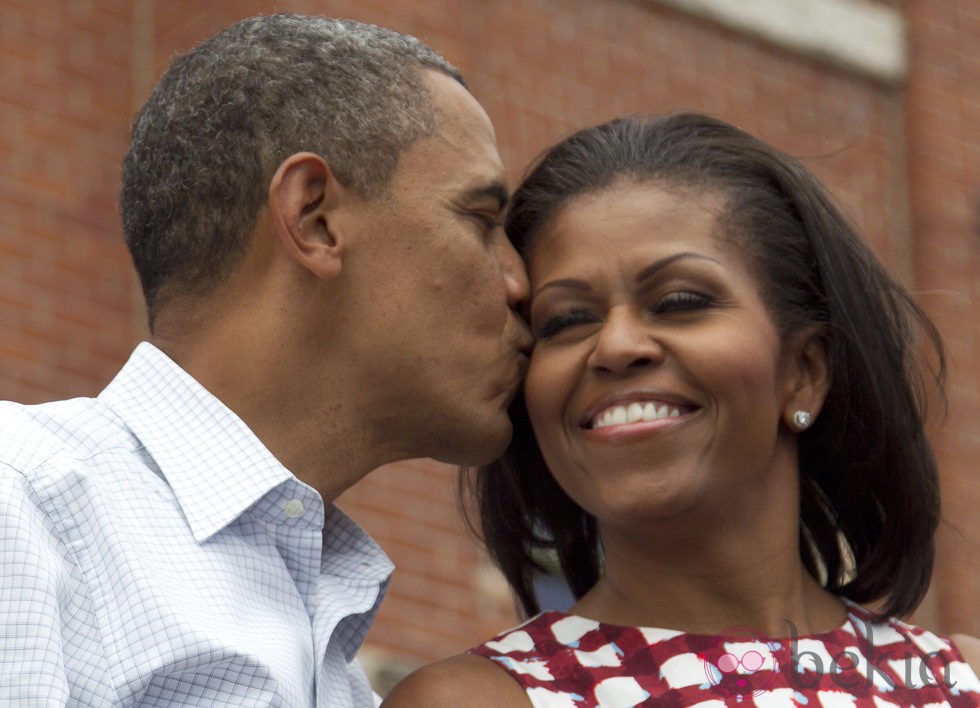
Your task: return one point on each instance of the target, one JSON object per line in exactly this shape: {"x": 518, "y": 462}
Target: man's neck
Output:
{"x": 305, "y": 413}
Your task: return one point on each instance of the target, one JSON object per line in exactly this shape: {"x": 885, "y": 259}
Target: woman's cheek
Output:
{"x": 549, "y": 384}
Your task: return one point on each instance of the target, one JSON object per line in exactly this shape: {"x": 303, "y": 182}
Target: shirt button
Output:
{"x": 293, "y": 508}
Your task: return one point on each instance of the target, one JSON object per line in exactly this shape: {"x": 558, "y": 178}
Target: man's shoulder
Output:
{"x": 36, "y": 436}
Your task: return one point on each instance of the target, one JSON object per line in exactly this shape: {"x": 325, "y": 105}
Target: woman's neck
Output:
{"x": 704, "y": 579}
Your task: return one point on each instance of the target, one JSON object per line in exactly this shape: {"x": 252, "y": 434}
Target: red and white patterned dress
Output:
{"x": 566, "y": 661}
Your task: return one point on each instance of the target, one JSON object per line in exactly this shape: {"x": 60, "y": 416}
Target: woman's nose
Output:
{"x": 624, "y": 343}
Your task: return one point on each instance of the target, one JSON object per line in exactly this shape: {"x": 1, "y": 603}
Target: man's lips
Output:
{"x": 523, "y": 345}
{"x": 634, "y": 409}
{"x": 523, "y": 362}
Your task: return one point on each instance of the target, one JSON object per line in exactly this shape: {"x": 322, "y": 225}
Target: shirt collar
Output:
{"x": 350, "y": 555}
{"x": 215, "y": 465}
{"x": 354, "y": 577}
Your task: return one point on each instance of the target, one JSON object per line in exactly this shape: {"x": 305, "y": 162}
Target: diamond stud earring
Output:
{"x": 801, "y": 420}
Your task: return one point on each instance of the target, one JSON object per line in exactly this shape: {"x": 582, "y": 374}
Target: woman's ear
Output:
{"x": 303, "y": 196}
{"x": 808, "y": 375}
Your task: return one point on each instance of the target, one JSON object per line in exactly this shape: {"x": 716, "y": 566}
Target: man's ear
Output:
{"x": 808, "y": 375}
{"x": 303, "y": 197}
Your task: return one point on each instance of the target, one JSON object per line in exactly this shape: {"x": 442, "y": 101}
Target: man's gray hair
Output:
{"x": 227, "y": 113}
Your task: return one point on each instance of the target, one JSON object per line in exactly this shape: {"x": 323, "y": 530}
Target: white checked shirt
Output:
{"x": 154, "y": 553}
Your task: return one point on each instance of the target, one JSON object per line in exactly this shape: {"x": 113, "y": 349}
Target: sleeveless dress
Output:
{"x": 566, "y": 661}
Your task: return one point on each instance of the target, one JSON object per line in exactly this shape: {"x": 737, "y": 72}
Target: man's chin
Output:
{"x": 479, "y": 451}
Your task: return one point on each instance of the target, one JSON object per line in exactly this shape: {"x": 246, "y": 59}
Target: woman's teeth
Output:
{"x": 633, "y": 413}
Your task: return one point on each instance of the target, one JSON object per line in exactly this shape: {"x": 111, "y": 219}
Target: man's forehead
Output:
{"x": 457, "y": 112}
{"x": 460, "y": 158}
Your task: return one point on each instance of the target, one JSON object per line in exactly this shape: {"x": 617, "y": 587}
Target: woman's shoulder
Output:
{"x": 465, "y": 679}
{"x": 969, "y": 649}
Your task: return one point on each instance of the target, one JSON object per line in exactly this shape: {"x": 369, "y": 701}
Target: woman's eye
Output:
{"x": 559, "y": 323}
{"x": 681, "y": 301}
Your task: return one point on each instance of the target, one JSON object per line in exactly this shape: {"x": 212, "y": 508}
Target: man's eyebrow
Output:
{"x": 496, "y": 190}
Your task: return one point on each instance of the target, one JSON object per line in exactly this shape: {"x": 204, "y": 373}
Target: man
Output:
{"x": 313, "y": 209}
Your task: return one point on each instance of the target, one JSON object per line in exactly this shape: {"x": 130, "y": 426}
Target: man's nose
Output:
{"x": 515, "y": 275}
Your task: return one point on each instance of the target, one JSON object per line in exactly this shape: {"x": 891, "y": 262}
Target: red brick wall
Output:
{"x": 943, "y": 121}
{"x": 904, "y": 162}
{"x": 67, "y": 297}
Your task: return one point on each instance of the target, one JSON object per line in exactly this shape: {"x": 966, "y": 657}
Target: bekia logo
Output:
{"x": 890, "y": 665}
{"x": 741, "y": 662}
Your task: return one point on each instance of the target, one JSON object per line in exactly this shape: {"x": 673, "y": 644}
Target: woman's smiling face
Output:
{"x": 656, "y": 385}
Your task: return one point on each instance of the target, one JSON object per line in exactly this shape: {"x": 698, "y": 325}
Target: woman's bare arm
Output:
{"x": 970, "y": 649}
{"x": 463, "y": 680}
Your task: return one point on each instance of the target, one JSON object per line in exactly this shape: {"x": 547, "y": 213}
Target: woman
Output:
{"x": 728, "y": 455}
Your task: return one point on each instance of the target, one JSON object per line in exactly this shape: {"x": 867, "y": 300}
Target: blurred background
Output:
{"x": 881, "y": 99}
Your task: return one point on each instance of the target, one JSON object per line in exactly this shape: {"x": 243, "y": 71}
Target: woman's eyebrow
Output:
{"x": 647, "y": 272}
{"x": 661, "y": 263}
{"x": 572, "y": 283}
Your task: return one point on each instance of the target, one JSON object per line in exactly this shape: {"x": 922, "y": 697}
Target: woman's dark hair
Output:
{"x": 869, "y": 486}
